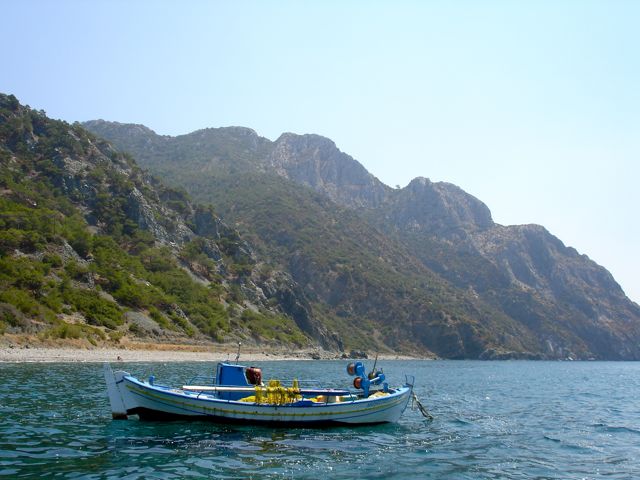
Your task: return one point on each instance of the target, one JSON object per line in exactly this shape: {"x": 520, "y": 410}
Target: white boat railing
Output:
{"x": 202, "y": 380}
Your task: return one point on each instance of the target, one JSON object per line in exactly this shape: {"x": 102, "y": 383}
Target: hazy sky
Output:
{"x": 533, "y": 107}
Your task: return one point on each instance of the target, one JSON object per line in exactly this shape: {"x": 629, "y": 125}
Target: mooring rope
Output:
{"x": 421, "y": 407}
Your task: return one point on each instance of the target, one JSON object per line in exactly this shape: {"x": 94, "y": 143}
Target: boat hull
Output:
{"x": 130, "y": 396}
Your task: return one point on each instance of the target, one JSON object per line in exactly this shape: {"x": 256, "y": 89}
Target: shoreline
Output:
{"x": 38, "y": 354}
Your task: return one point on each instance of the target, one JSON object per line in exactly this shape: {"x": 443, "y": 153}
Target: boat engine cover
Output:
{"x": 254, "y": 375}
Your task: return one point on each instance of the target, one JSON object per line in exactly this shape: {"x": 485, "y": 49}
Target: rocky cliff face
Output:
{"x": 552, "y": 279}
{"x": 582, "y": 292}
{"x": 562, "y": 303}
{"x": 316, "y": 162}
{"x": 439, "y": 210}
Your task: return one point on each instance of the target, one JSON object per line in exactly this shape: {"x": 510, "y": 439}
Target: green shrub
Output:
{"x": 52, "y": 260}
{"x": 273, "y": 327}
{"x": 53, "y": 300}
{"x": 9, "y": 316}
{"x": 183, "y": 324}
{"x": 97, "y": 310}
{"x": 10, "y": 239}
{"x": 21, "y": 300}
{"x": 75, "y": 270}
{"x": 135, "y": 329}
{"x": 66, "y": 330}
{"x": 115, "y": 336}
{"x": 160, "y": 319}
{"x": 131, "y": 294}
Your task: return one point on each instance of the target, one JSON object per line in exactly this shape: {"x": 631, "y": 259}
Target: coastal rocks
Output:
{"x": 360, "y": 354}
{"x": 494, "y": 354}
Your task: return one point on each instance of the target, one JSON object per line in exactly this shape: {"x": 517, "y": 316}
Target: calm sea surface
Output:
{"x": 492, "y": 420}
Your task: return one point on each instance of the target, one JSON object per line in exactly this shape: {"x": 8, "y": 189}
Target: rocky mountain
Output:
{"x": 538, "y": 298}
{"x": 523, "y": 270}
{"x": 316, "y": 162}
{"x": 93, "y": 249}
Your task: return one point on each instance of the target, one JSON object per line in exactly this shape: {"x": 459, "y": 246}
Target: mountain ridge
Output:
{"x": 565, "y": 300}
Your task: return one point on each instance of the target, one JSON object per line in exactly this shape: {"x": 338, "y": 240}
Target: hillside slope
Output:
{"x": 548, "y": 301}
{"x": 94, "y": 249}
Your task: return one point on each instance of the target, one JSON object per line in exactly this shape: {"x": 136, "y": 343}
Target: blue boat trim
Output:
{"x": 280, "y": 406}
{"x": 296, "y": 416}
{"x": 146, "y": 387}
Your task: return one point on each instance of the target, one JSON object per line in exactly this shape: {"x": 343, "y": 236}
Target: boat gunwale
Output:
{"x": 283, "y": 410}
{"x": 208, "y": 398}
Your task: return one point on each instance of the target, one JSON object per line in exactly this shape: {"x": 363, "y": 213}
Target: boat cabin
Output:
{"x": 228, "y": 375}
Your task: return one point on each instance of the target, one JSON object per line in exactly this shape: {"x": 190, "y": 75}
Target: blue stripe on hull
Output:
{"x": 165, "y": 405}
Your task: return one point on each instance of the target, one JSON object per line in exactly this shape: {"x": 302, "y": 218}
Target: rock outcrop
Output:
{"x": 316, "y": 162}
{"x": 439, "y": 210}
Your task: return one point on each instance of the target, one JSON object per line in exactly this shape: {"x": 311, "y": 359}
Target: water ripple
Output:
{"x": 510, "y": 420}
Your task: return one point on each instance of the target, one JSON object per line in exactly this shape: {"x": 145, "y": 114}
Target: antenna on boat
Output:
{"x": 238, "y": 354}
{"x": 373, "y": 370}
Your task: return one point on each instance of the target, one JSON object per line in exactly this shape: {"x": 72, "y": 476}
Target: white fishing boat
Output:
{"x": 237, "y": 395}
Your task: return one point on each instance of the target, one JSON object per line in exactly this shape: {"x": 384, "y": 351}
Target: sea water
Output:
{"x": 510, "y": 420}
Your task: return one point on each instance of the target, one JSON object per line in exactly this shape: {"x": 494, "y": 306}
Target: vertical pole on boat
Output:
{"x": 373, "y": 370}
{"x": 238, "y": 354}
